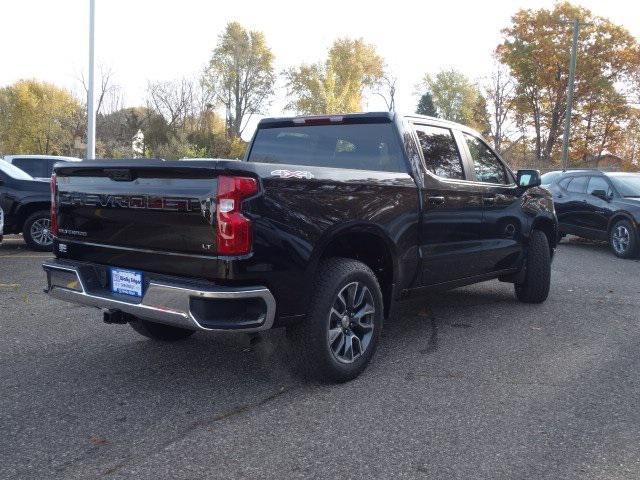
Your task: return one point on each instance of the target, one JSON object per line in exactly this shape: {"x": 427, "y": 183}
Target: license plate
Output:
{"x": 127, "y": 282}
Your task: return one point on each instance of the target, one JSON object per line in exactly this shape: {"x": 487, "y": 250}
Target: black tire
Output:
{"x": 317, "y": 357}
{"x": 537, "y": 275}
{"x": 623, "y": 239}
{"x": 159, "y": 331}
{"x": 31, "y": 227}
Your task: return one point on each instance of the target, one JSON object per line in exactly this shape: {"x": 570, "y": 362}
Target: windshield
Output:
{"x": 13, "y": 171}
{"x": 627, "y": 185}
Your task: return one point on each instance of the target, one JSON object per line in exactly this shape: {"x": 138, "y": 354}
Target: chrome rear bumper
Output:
{"x": 163, "y": 301}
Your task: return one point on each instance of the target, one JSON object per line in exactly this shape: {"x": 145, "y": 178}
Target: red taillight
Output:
{"x": 54, "y": 206}
{"x": 233, "y": 233}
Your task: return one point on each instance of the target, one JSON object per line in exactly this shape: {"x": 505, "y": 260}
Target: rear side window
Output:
{"x": 440, "y": 151}
{"x": 578, "y": 185}
{"x": 36, "y": 167}
{"x": 487, "y": 167}
{"x": 372, "y": 146}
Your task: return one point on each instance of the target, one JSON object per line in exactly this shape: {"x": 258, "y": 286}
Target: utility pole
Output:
{"x": 91, "y": 113}
{"x": 572, "y": 74}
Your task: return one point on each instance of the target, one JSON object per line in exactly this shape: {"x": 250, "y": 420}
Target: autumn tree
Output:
{"x": 629, "y": 147}
{"x": 337, "y": 84}
{"x": 240, "y": 74}
{"x": 457, "y": 99}
{"x": 426, "y": 106}
{"x": 536, "y": 50}
{"x": 38, "y": 117}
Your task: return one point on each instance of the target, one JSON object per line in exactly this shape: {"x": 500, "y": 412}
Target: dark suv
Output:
{"x": 600, "y": 206}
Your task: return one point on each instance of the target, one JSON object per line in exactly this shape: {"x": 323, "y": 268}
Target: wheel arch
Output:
{"x": 622, "y": 215}
{"x": 549, "y": 227}
{"x": 28, "y": 209}
{"x": 367, "y": 243}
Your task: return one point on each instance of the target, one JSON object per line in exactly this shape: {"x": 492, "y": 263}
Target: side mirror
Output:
{"x": 601, "y": 194}
{"x": 529, "y": 178}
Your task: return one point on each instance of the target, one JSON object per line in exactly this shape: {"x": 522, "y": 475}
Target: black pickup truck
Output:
{"x": 321, "y": 228}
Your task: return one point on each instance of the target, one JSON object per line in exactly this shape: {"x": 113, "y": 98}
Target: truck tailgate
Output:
{"x": 147, "y": 204}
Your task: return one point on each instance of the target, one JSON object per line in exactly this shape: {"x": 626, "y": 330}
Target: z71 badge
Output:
{"x": 292, "y": 174}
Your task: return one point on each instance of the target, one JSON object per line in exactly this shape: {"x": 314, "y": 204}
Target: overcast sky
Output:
{"x": 143, "y": 40}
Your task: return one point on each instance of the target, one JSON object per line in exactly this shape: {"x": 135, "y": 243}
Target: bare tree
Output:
{"x": 500, "y": 93}
{"x": 387, "y": 90}
{"x": 175, "y": 100}
{"x": 109, "y": 98}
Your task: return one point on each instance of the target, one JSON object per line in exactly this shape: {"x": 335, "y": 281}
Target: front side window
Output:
{"x": 372, "y": 146}
{"x": 440, "y": 151}
{"x": 598, "y": 183}
{"x": 487, "y": 167}
{"x": 627, "y": 184}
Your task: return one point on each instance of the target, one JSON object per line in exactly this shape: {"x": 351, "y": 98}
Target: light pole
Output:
{"x": 91, "y": 113}
{"x": 572, "y": 74}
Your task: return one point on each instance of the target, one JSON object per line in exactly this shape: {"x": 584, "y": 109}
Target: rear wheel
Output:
{"x": 159, "y": 331}
{"x": 623, "y": 239}
{"x": 341, "y": 332}
{"x": 37, "y": 231}
{"x": 537, "y": 276}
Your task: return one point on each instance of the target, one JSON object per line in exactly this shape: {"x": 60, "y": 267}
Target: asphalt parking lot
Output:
{"x": 467, "y": 384}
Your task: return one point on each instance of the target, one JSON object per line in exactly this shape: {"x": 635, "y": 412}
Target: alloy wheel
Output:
{"x": 41, "y": 232}
{"x": 621, "y": 239}
{"x": 351, "y": 321}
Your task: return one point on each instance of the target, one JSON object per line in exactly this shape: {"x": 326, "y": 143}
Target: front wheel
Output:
{"x": 537, "y": 276}
{"x": 159, "y": 331}
{"x": 37, "y": 231}
{"x": 341, "y": 332}
{"x": 623, "y": 239}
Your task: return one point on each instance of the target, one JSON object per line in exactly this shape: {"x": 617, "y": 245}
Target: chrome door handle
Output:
{"x": 436, "y": 200}
{"x": 490, "y": 200}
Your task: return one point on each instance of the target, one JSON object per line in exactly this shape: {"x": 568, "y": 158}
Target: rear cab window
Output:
{"x": 366, "y": 146}
{"x": 440, "y": 151}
